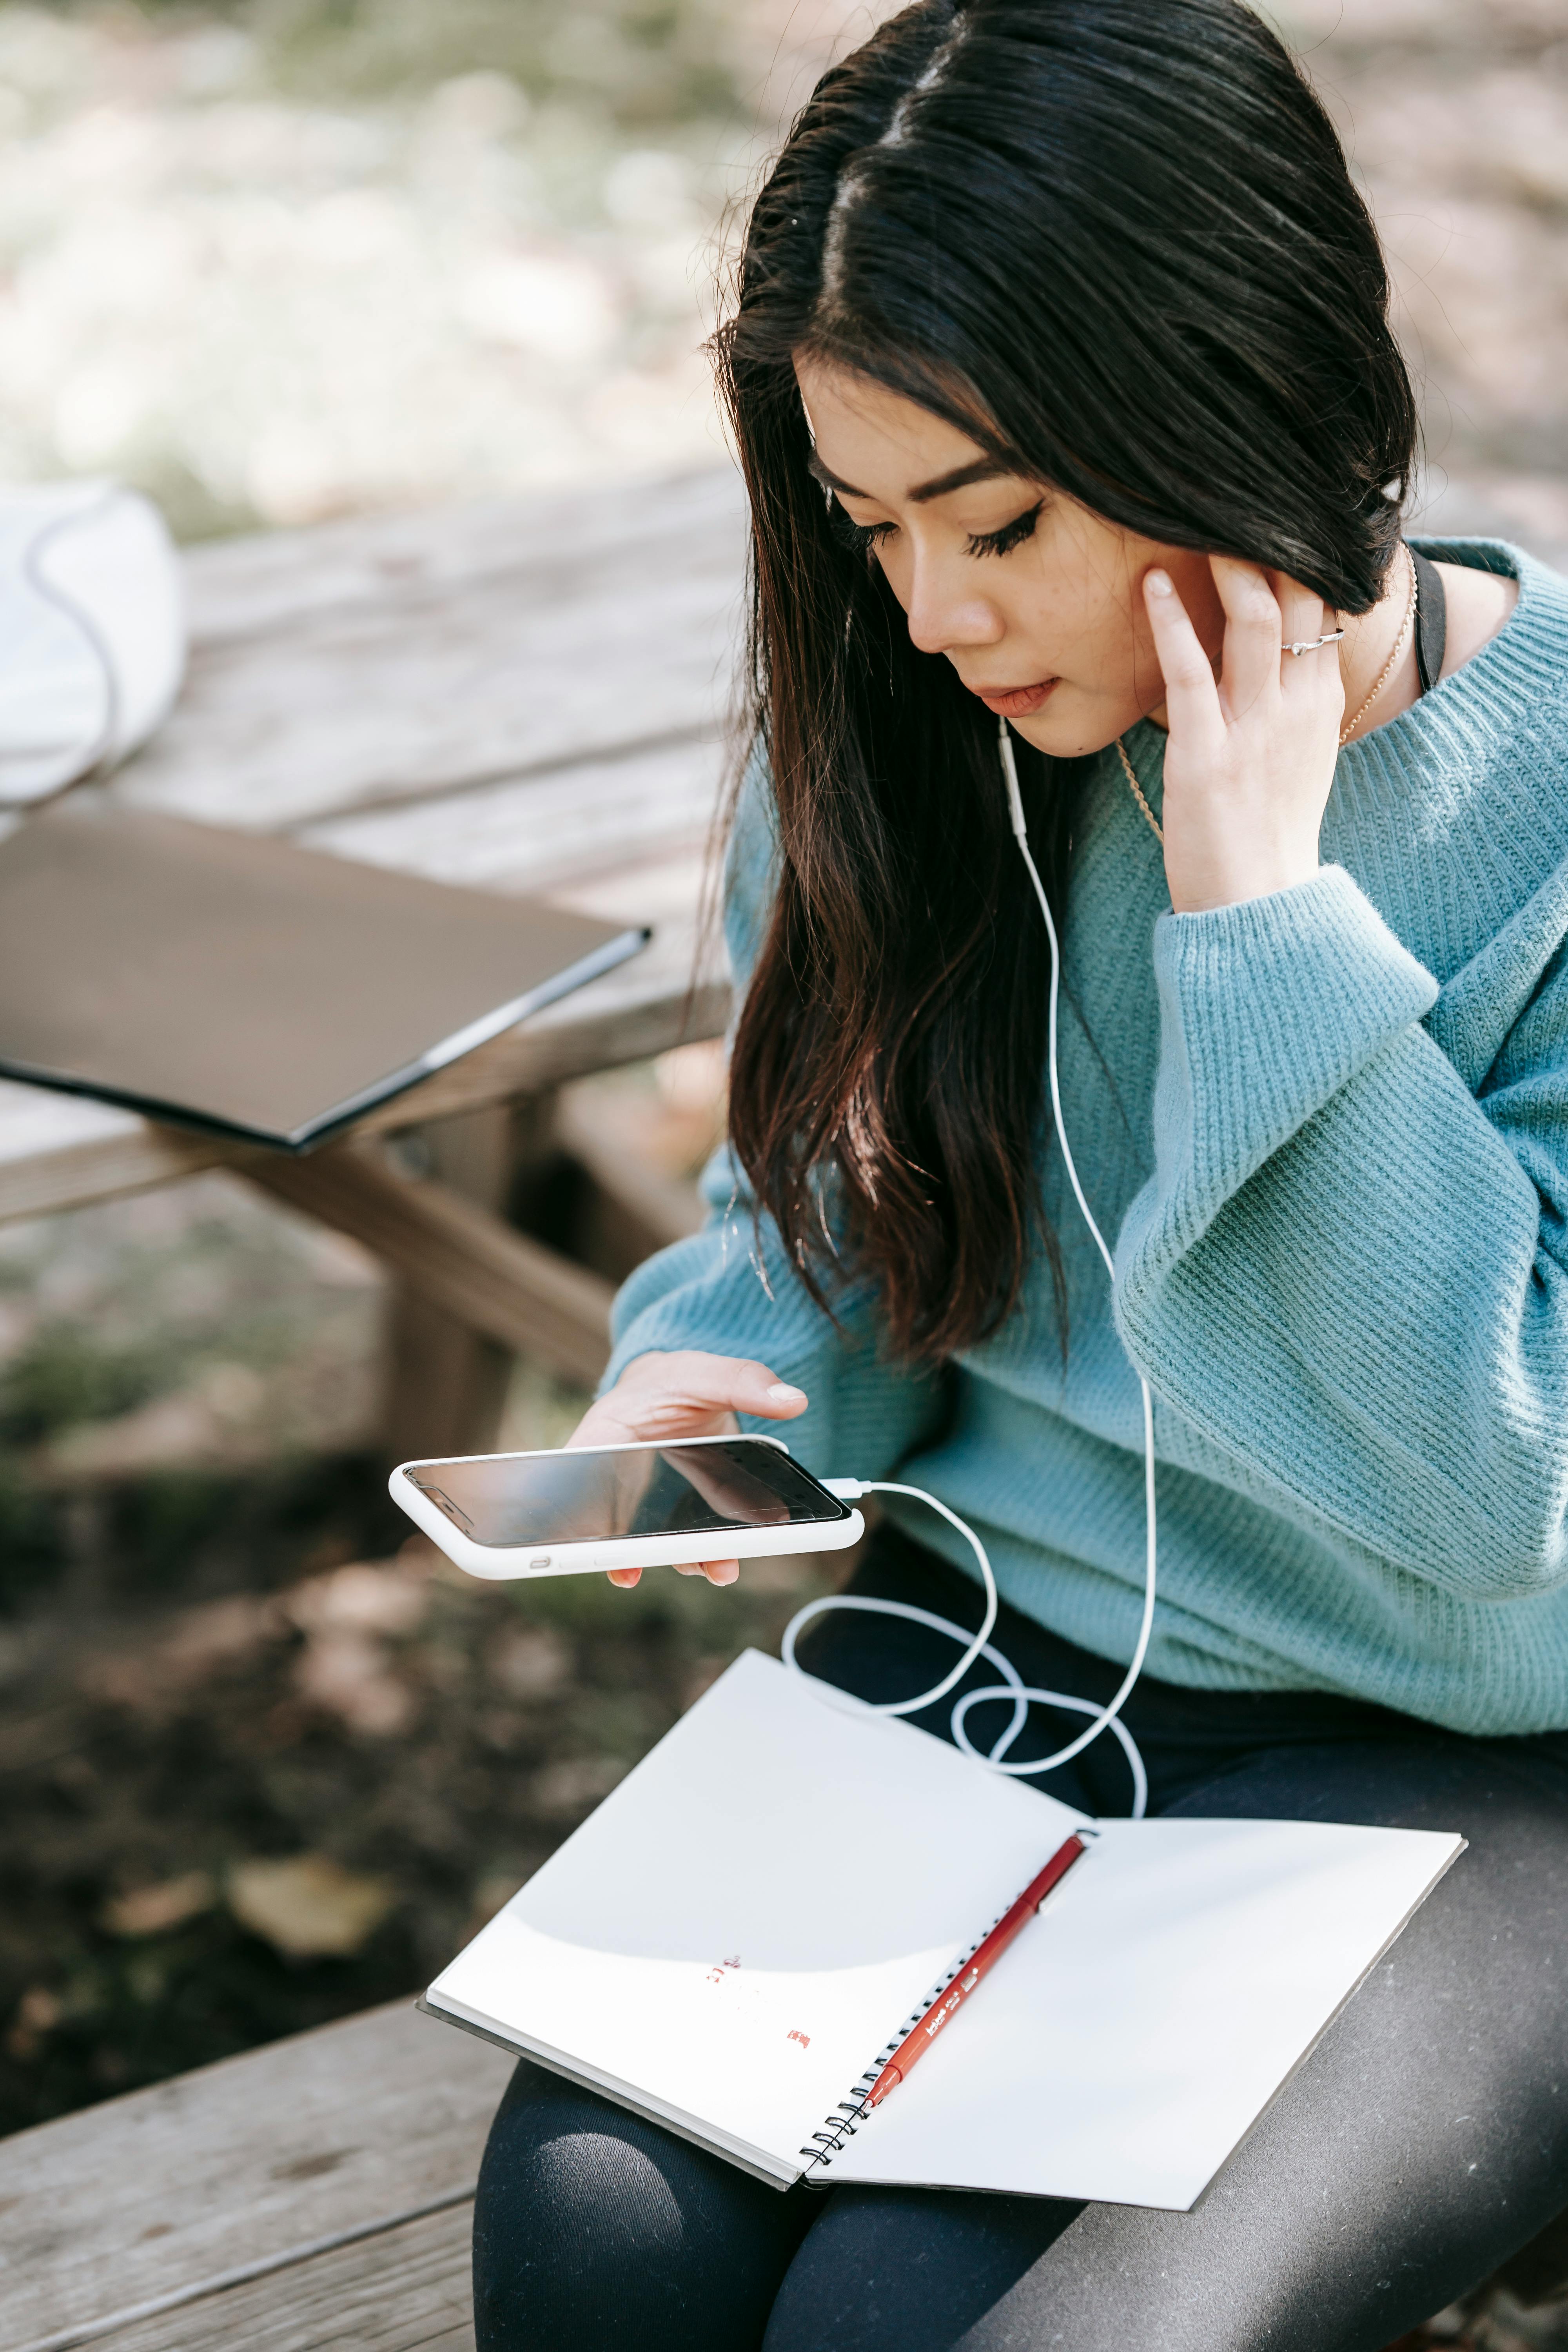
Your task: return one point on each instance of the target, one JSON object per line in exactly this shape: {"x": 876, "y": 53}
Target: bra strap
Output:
{"x": 1431, "y": 621}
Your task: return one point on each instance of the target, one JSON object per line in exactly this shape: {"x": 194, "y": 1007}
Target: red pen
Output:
{"x": 920, "y": 2039}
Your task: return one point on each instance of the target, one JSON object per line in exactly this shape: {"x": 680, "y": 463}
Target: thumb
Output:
{"x": 727, "y": 1384}
{"x": 753, "y": 1388}
{"x": 682, "y": 1393}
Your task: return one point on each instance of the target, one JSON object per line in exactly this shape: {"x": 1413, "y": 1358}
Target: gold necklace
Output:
{"x": 1384, "y": 674}
{"x": 1137, "y": 791}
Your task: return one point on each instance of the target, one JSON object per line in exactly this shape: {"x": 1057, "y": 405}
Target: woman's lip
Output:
{"x": 1015, "y": 701}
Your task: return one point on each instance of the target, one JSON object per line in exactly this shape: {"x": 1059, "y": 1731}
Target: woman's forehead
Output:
{"x": 874, "y": 440}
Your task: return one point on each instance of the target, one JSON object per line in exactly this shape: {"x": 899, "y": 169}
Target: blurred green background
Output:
{"x": 286, "y": 259}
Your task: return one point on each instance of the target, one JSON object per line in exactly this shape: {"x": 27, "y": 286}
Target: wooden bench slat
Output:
{"x": 77, "y": 1176}
{"x": 458, "y": 1255}
{"x": 57, "y": 1151}
{"x": 357, "y": 2126}
{"x": 404, "y": 2290}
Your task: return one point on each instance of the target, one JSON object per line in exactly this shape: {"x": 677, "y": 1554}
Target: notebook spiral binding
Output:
{"x": 851, "y": 2113}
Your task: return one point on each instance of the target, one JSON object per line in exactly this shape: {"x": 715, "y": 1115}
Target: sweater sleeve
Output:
{"x": 731, "y": 1290}
{"x": 1350, "y": 1270}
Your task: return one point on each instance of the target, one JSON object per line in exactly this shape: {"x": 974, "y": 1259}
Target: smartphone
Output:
{"x": 599, "y": 1506}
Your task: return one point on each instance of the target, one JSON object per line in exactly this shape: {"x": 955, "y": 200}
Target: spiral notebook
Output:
{"x": 749, "y": 1923}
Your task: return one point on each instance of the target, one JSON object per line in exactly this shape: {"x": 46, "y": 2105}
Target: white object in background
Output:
{"x": 92, "y": 632}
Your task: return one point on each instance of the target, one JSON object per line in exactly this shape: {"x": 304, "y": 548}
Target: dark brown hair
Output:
{"x": 1114, "y": 242}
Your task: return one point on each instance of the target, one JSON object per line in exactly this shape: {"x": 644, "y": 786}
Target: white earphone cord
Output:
{"x": 978, "y": 1645}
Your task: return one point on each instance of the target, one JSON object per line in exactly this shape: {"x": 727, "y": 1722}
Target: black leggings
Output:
{"x": 1424, "y": 2141}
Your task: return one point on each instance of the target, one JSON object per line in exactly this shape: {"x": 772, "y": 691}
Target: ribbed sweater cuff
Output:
{"x": 1267, "y": 1010}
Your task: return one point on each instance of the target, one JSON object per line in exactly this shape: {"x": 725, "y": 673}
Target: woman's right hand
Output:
{"x": 660, "y": 1397}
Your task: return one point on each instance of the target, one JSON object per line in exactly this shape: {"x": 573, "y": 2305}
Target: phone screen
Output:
{"x": 587, "y": 1495}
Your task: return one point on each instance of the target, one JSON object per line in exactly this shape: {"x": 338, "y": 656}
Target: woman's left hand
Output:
{"x": 1251, "y": 754}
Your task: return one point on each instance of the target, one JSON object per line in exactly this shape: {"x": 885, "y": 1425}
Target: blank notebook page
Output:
{"x": 1131, "y": 2035}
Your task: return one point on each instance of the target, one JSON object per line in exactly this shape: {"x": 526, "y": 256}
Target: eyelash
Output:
{"x": 861, "y": 538}
{"x": 1011, "y": 535}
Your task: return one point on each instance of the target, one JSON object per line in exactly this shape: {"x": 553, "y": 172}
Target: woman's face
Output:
{"x": 1034, "y": 601}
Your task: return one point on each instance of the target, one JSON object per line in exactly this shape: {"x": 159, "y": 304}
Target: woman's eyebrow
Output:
{"x": 829, "y": 480}
{"x": 979, "y": 469}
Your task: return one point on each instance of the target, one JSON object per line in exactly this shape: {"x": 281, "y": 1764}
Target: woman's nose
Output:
{"x": 945, "y": 612}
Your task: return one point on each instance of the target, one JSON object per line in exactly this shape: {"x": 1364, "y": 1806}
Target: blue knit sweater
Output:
{"x": 1330, "y": 1130}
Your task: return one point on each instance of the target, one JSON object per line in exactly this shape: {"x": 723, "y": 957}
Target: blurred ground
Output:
{"x": 231, "y": 1818}
{"x": 288, "y": 258}
{"x": 1493, "y": 2322}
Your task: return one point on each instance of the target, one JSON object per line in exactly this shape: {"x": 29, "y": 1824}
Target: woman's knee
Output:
{"x": 912, "y": 2270}
{"x": 593, "y": 2229}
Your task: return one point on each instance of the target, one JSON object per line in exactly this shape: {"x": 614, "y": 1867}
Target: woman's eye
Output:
{"x": 1011, "y": 535}
{"x": 859, "y": 538}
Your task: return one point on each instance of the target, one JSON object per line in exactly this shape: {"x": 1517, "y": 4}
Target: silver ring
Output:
{"x": 1309, "y": 644}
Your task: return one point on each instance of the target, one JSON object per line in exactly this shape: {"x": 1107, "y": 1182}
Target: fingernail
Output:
{"x": 781, "y": 1393}
{"x": 725, "y": 1575}
{"x": 1159, "y": 584}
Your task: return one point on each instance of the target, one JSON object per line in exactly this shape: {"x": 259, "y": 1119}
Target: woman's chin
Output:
{"x": 1071, "y": 724}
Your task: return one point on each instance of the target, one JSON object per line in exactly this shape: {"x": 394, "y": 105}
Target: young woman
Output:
{"x": 1062, "y": 381}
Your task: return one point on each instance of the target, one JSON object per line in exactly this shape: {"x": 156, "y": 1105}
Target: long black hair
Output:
{"x": 1115, "y": 242}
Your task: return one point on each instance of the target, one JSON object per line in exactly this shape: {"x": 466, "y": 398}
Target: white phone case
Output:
{"x": 576, "y": 1558}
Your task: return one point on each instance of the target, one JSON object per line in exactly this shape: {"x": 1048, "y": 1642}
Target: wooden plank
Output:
{"x": 537, "y": 832}
{"x": 583, "y": 647}
{"x": 456, "y": 1254}
{"x": 446, "y": 1383}
{"x": 404, "y": 2290}
{"x": 260, "y": 582}
{"x": 658, "y": 1209}
{"x": 146, "y": 2203}
{"x": 60, "y": 1151}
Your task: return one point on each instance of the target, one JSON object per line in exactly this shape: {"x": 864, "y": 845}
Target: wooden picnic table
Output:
{"x": 521, "y": 695}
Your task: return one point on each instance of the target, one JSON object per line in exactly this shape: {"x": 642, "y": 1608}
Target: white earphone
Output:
{"x": 978, "y": 1645}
